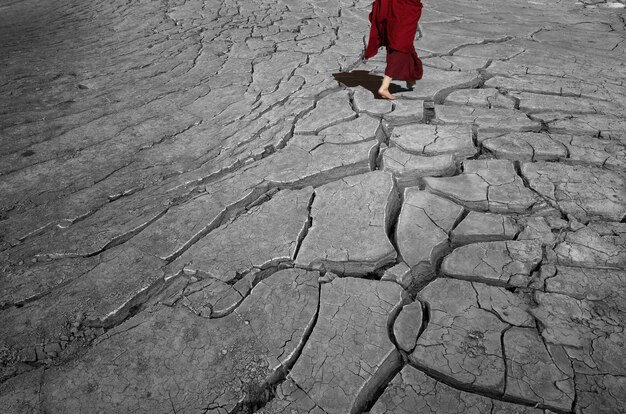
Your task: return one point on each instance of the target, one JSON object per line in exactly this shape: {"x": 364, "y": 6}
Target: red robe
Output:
{"x": 394, "y": 24}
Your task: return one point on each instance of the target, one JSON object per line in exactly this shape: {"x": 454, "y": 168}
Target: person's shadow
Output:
{"x": 367, "y": 80}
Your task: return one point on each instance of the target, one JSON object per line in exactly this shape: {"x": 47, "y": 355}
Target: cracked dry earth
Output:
{"x": 196, "y": 217}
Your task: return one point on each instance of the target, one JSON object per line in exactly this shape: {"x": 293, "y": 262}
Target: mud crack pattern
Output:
{"x": 205, "y": 209}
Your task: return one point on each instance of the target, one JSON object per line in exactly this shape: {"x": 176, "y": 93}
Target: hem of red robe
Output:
{"x": 404, "y": 66}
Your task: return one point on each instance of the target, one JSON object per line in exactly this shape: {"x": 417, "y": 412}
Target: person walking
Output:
{"x": 393, "y": 25}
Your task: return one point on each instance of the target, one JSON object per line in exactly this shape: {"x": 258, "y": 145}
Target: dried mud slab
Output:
{"x": 21, "y": 394}
{"x": 169, "y": 359}
{"x": 486, "y": 185}
{"x": 400, "y": 274}
{"x": 349, "y": 354}
{"x": 422, "y": 139}
{"x": 462, "y": 341}
{"x": 479, "y": 227}
{"x": 182, "y": 225}
{"x": 407, "y": 326}
{"x": 532, "y": 103}
{"x": 468, "y": 190}
{"x": 474, "y": 330}
{"x": 539, "y": 229}
{"x": 592, "y": 247}
{"x": 512, "y": 308}
{"x": 436, "y": 83}
{"x": 213, "y": 298}
{"x": 28, "y": 282}
{"x": 583, "y": 311}
{"x": 91, "y": 232}
{"x": 102, "y": 296}
{"x": 504, "y": 263}
{"x": 605, "y": 126}
{"x": 412, "y": 391}
{"x": 589, "y": 332}
{"x": 526, "y": 146}
{"x": 405, "y": 112}
{"x": 610, "y": 400}
{"x": 506, "y": 192}
{"x": 536, "y": 374}
{"x": 499, "y": 50}
{"x": 264, "y": 236}
{"x": 306, "y": 160}
{"x": 440, "y": 42}
{"x": 605, "y": 285}
{"x": 351, "y": 218}
{"x": 422, "y": 231}
{"x": 289, "y": 399}
{"x": 330, "y": 110}
{"x": 547, "y": 86}
{"x": 587, "y": 193}
{"x": 366, "y": 102}
{"x": 487, "y": 119}
{"x": 362, "y": 128}
{"x": 606, "y": 153}
{"x": 481, "y": 98}
{"x": 408, "y": 168}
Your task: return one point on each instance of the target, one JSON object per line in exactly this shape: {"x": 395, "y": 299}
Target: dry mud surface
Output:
{"x": 205, "y": 209}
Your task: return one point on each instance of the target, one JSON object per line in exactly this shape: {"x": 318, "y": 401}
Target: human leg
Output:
{"x": 384, "y": 88}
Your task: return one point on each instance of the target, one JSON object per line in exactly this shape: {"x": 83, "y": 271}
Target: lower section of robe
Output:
{"x": 403, "y": 66}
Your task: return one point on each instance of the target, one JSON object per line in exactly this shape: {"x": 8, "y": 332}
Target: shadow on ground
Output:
{"x": 367, "y": 80}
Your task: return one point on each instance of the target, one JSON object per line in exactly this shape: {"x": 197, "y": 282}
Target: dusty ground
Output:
{"x": 204, "y": 209}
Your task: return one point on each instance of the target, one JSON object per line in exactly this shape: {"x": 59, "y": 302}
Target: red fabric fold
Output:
{"x": 393, "y": 24}
{"x": 404, "y": 66}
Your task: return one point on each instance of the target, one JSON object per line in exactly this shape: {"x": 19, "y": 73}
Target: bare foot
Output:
{"x": 384, "y": 89}
{"x": 386, "y": 94}
{"x": 410, "y": 84}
